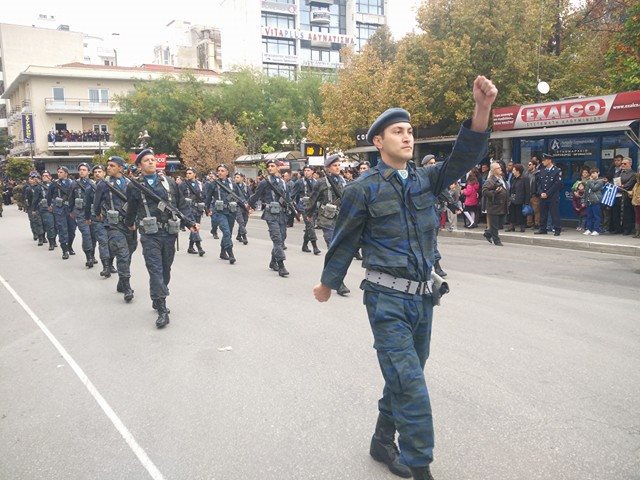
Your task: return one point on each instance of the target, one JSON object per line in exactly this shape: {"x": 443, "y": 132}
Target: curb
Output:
{"x": 554, "y": 242}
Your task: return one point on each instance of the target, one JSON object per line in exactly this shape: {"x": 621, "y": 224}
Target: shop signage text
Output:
{"x": 607, "y": 108}
{"x": 306, "y": 35}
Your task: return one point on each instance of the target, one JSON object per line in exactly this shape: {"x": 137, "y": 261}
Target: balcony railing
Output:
{"x": 80, "y": 105}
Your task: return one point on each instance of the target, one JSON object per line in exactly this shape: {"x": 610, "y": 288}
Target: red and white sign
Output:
{"x": 607, "y": 108}
{"x": 161, "y": 160}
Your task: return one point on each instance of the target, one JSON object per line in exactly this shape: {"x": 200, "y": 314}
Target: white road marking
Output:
{"x": 106, "y": 408}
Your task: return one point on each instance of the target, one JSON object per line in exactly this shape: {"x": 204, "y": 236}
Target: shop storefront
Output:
{"x": 577, "y": 132}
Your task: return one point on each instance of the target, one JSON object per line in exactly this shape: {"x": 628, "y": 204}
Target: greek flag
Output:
{"x": 608, "y": 195}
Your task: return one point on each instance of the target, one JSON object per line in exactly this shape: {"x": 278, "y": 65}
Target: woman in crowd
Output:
{"x": 471, "y": 194}
{"x": 519, "y": 195}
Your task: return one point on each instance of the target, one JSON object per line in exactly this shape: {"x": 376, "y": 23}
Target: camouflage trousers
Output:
{"x": 35, "y": 222}
{"x": 401, "y": 326}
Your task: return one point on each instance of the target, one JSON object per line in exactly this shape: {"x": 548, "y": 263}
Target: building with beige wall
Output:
{"x": 75, "y": 98}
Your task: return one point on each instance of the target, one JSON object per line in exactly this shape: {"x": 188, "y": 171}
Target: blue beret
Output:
{"x": 97, "y": 166}
{"x": 386, "y": 118}
{"x": 141, "y": 155}
{"x": 83, "y": 164}
{"x": 119, "y": 160}
{"x": 271, "y": 161}
{"x": 34, "y": 175}
{"x": 547, "y": 155}
{"x": 63, "y": 168}
{"x": 331, "y": 159}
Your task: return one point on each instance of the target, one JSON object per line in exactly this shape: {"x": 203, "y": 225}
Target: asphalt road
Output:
{"x": 534, "y": 369}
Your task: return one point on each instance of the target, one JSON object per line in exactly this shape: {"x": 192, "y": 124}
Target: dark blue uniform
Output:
{"x": 549, "y": 181}
{"x": 223, "y": 210}
{"x": 242, "y": 215}
{"x": 78, "y": 212}
{"x": 122, "y": 241}
{"x": 327, "y": 190}
{"x": 58, "y": 197}
{"x": 276, "y": 222}
{"x": 99, "y": 233}
{"x": 158, "y": 248}
{"x": 48, "y": 223}
{"x": 194, "y": 196}
{"x": 304, "y": 190}
{"x": 394, "y": 221}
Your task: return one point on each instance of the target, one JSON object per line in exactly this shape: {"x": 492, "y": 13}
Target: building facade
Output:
{"x": 190, "y": 46}
{"x": 284, "y": 37}
{"x": 65, "y": 112}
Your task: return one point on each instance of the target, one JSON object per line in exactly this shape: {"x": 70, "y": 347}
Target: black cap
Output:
{"x": 142, "y": 154}
{"x": 119, "y": 160}
{"x": 386, "y": 118}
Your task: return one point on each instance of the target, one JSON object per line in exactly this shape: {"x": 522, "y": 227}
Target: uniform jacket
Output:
{"x": 89, "y": 198}
{"x": 136, "y": 210}
{"x": 60, "y": 188}
{"x": 496, "y": 202}
{"x": 104, "y": 196}
{"x": 266, "y": 195}
{"x": 550, "y": 182}
{"x": 320, "y": 193}
{"x": 80, "y": 188}
{"x": 241, "y": 190}
{"x": 213, "y": 192}
{"x": 396, "y": 224}
{"x": 39, "y": 192}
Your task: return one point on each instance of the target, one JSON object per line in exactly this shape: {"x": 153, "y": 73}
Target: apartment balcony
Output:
{"x": 79, "y": 146}
{"x": 15, "y": 115}
{"x": 370, "y": 18}
{"x": 80, "y": 106}
{"x": 327, "y": 3}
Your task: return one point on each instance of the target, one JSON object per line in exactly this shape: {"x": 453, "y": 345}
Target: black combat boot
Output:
{"x": 244, "y": 239}
{"x": 384, "y": 448}
{"x": 106, "y": 271}
{"x": 282, "y": 271}
{"x": 127, "y": 290}
{"x": 238, "y": 238}
{"x": 215, "y": 235}
{"x": 155, "y": 303}
{"x": 70, "y": 248}
{"x": 191, "y": 249}
{"x": 305, "y": 247}
{"x": 35, "y": 237}
{"x": 52, "y": 244}
{"x": 89, "y": 262}
{"x": 223, "y": 254}
{"x": 343, "y": 291}
{"x": 273, "y": 265}
{"x": 163, "y": 313}
{"x": 65, "y": 251}
{"x": 438, "y": 269}
{"x": 40, "y": 240}
{"x": 199, "y": 247}
{"x": 232, "y": 259}
{"x": 112, "y": 269}
{"x": 119, "y": 286}
{"x": 357, "y": 255}
{"x": 421, "y": 473}
{"x": 316, "y": 250}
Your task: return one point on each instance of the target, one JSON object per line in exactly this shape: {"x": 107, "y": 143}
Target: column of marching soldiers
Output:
{"x": 116, "y": 206}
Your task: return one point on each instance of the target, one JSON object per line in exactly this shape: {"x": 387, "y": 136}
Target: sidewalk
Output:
{"x": 570, "y": 239}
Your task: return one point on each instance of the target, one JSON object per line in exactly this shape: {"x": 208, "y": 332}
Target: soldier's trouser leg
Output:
{"x": 132, "y": 242}
{"x": 37, "y": 224}
{"x": 327, "y": 234}
{"x": 120, "y": 250}
{"x": 309, "y": 231}
{"x": 401, "y": 328}
{"x": 195, "y": 236}
{"x": 158, "y": 250}
{"x": 32, "y": 224}
{"x": 48, "y": 223}
{"x": 85, "y": 231}
{"x": 283, "y": 221}
{"x": 60, "y": 215}
{"x": 436, "y": 252}
{"x": 71, "y": 229}
{"x": 544, "y": 213}
{"x": 275, "y": 234}
{"x": 214, "y": 223}
{"x": 222, "y": 220}
{"x": 242, "y": 217}
{"x": 102, "y": 237}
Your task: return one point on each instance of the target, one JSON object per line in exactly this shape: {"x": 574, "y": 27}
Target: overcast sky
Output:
{"x": 140, "y": 24}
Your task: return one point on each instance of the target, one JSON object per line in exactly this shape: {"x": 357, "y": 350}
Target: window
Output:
{"x": 98, "y": 95}
{"x": 338, "y": 20}
{"x": 99, "y": 127}
{"x": 374, "y": 7}
{"x": 58, "y": 94}
{"x": 277, "y": 20}
{"x": 276, "y": 70}
{"x": 365, "y": 31}
{"x": 279, "y": 46}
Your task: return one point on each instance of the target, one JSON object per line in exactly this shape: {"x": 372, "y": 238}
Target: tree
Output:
{"x": 165, "y": 108}
{"x": 207, "y": 145}
{"x": 115, "y": 151}
{"x": 623, "y": 57}
{"x": 5, "y": 142}
{"x": 18, "y": 168}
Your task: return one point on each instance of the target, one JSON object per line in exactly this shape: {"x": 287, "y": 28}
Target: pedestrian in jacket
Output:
{"x": 519, "y": 195}
{"x": 592, "y": 197}
{"x": 494, "y": 191}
